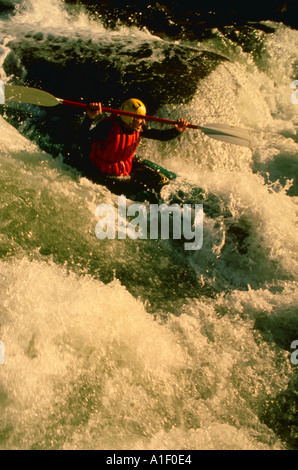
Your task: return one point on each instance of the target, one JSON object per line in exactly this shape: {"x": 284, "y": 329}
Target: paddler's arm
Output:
{"x": 165, "y": 134}
{"x": 84, "y": 132}
{"x": 86, "y": 136}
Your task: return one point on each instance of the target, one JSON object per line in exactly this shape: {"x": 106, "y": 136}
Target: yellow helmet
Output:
{"x": 133, "y": 105}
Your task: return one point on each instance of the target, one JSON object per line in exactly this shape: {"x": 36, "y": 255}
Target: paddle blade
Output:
{"x": 20, "y": 94}
{"x": 229, "y": 134}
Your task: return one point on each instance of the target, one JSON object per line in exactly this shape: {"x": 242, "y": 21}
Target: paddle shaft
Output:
{"x": 74, "y": 104}
{"x": 222, "y": 132}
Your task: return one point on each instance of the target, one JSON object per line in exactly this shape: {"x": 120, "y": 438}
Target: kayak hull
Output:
{"x": 144, "y": 184}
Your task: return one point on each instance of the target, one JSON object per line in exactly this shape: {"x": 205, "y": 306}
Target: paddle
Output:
{"x": 222, "y": 132}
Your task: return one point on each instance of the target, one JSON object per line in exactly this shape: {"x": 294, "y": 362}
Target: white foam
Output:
{"x": 11, "y": 141}
{"x": 87, "y": 354}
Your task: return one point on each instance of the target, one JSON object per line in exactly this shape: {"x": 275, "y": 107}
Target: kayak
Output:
{"x": 144, "y": 184}
{"x": 147, "y": 178}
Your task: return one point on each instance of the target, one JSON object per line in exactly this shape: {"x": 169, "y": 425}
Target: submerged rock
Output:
{"x": 157, "y": 71}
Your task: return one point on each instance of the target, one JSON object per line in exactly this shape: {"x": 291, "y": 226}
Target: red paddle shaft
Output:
{"x": 125, "y": 113}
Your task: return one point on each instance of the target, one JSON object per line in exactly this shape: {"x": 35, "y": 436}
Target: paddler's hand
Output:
{"x": 94, "y": 110}
{"x": 181, "y": 125}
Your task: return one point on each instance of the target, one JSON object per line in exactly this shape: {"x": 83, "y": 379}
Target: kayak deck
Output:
{"x": 144, "y": 183}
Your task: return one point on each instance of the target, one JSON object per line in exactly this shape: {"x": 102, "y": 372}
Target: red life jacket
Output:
{"x": 114, "y": 155}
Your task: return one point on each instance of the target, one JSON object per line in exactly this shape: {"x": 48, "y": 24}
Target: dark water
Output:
{"x": 138, "y": 344}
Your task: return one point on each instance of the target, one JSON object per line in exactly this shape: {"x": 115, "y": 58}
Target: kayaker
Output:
{"x": 112, "y": 143}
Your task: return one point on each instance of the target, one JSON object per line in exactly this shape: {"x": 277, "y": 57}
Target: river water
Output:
{"x": 139, "y": 344}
